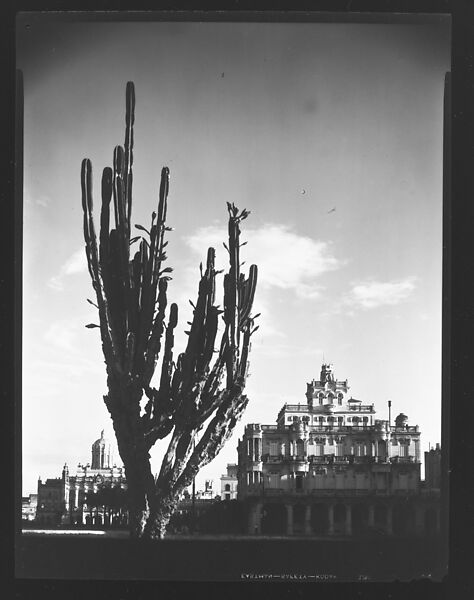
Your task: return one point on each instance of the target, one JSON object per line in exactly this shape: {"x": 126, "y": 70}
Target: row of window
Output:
{"x": 307, "y": 419}
{"x": 274, "y": 479}
{"x": 330, "y": 397}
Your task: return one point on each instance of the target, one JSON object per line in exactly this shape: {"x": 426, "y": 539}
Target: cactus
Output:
{"x": 203, "y": 388}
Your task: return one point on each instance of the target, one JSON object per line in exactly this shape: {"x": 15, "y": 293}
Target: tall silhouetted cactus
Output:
{"x": 202, "y": 389}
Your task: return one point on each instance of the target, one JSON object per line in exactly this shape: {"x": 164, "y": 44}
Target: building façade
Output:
{"x": 329, "y": 467}
{"x": 62, "y": 500}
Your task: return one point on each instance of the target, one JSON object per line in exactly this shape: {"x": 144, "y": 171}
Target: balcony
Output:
{"x": 403, "y": 459}
{"x": 296, "y": 407}
{"x": 261, "y": 490}
{"x": 268, "y": 458}
{"x": 363, "y": 408}
{"x": 329, "y": 459}
{"x": 336, "y": 428}
{"x": 405, "y": 428}
{"x": 332, "y": 459}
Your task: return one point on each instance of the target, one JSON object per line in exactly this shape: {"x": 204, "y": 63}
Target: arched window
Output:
{"x": 227, "y": 487}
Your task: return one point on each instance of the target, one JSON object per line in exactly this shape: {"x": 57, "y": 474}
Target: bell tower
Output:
{"x": 101, "y": 455}
{"x": 326, "y": 375}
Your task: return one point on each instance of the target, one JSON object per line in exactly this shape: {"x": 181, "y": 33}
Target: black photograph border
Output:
{"x": 458, "y": 307}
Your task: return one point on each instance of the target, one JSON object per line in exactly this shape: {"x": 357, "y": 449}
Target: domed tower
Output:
{"x": 401, "y": 420}
{"x": 101, "y": 454}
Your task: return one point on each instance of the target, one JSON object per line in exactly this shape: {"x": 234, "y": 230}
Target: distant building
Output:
{"x": 329, "y": 467}
{"x": 52, "y": 501}
{"x": 433, "y": 468}
{"x": 208, "y": 492}
{"x": 229, "y": 483}
{"x": 63, "y": 500}
{"x": 28, "y": 507}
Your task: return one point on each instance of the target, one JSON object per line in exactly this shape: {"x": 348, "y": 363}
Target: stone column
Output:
{"x": 252, "y": 519}
{"x": 289, "y": 519}
{"x": 331, "y": 519}
{"x": 371, "y": 520}
{"x": 389, "y": 520}
{"x": 419, "y": 520}
{"x": 258, "y": 518}
{"x": 76, "y": 497}
{"x": 348, "y": 519}
{"x": 307, "y": 520}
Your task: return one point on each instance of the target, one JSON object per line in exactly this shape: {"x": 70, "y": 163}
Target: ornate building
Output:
{"x": 63, "y": 500}
{"x": 433, "y": 468}
{"x": 28, "y": 507}
{"x": 229, "y": 483}
{"x": 329, "y": 467}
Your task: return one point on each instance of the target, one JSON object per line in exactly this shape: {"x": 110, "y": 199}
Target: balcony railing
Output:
{"x": 404, "y": 428}
{"x": 259, "y": 490}
{"x": 403, "y": 459}
{"x": 331, "y": 459}
{"x": 362, "y": 408}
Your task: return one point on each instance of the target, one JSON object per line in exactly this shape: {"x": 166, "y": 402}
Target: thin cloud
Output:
{"x": 62, "y": 334}
{"x": 76, "y": 263}
{"x": 373, "y": 294}
{"x": 35, "y": 199}
{"x": 285, "y": 260}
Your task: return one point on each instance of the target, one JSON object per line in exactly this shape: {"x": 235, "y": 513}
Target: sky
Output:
{"x": 329, "y": 133}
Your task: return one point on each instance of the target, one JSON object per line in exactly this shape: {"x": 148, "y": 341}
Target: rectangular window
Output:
{"x": 319, "y": 450}
{"x": 274, "y": 480}
{"x": 274, "y": 449}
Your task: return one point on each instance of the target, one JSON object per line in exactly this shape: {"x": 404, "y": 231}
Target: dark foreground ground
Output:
{"x": 106, "y": 556}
